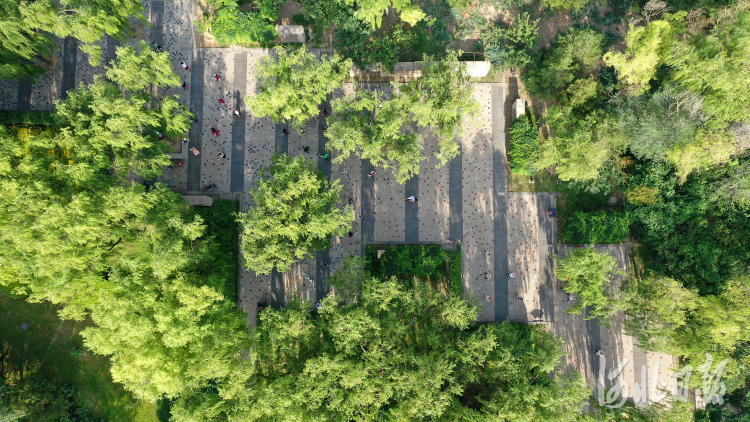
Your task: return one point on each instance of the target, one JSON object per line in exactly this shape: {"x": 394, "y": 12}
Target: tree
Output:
{"x": 512, "y": 46}
{"x": 295, "y": 214}
{"x": 586, "y": 273}
{"x": 165, "y": 337}
{"x": 399, "y": 353}
{"x": 647, "y": 48}
{"x": 135, "y": 69}
{"x": 573, "y": 54}
{"x": 656, "y": 124}
{"x": 25, "y": 24}
{"x": 579, "y": 149}
{"x": 375, "y": 127}
{"x": 371, "y": 12}
{"x": 295, "y": 83}
{"x": 713, "y": 66}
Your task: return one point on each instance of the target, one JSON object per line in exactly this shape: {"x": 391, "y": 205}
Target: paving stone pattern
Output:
{"x": 464, "y": 201}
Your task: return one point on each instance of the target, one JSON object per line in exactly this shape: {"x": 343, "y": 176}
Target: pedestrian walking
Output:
{"x": 512, "y": 275}
{"x": 487, "y": 276}
{"x": 319, "y": 305}
{"x": 350, "y": 201}
{"x": 519, "y": 299}
{"x": 217, "y": 77}
{"x": 323, "y": 156}
{"x": 325, "y": 264}
{"x": 345, "y": 172}
{"x": 487, "y": 298}
{"x": 310, "y": 279}
{"x": 487, "y": 254}
{"x": 284, "y": 132}
{"x": 372, "y": 174}
{"x": 410, "y": 199}
{"x": 159, "y": 135}
{"x": 195, "y": 151}
{"x": 302, "y": 132}
{"x": 156, "y": 46}
{"x": 184, "y": 66}
{"x": 600, "y": 352}
{"x": 214, "y": 131}
{"x": 236, "y": 112}
{"x": 184, "y": 140}
{"x": 185, "y": 85}
{"x": 351, "y": 234}
{"x": 222, "y": 155}
{"x": 306, "y": 149}
{"x": 571, "y": 297}
{"x": 324, "y": 113}
{"x": 221, "y": 100}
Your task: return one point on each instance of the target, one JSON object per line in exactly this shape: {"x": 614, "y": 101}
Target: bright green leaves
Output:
{"x": 136, "y": 69}
{"x": 294, "y": 83}
{"x": 296, "y": 213}
{"x": 586, "y": 273}
{"x": 524, "y": 147}
{"x": 509, "y": 47}
{"x": 375, "y": 128}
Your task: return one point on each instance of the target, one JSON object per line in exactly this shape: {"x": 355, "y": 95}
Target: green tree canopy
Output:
{"x": 376, "y": 128}
{"x": 395, "y": 354}
{"x": 587, "y": 274}
{"x": 296, "y": 212}
{"x": 512, "y": 46}
{"x": 137, "y": 68}
{"x": 26, "y": 26}
{"x": 294, "y": 83}
{"x": 573, "y": 54}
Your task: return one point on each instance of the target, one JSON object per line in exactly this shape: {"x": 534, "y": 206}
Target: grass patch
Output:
{"x": 219, "y": 267}
{"x": 46, "y": 349}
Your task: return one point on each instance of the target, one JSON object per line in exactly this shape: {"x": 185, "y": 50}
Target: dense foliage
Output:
{"x": 296, "y": 212}
{"x": 293, "y": 84}
{"x": 36, "y": 399}
{"x": 374, "y": 126}
{"x": 28, "y": 27}
{"x": 595, "y": 227}
{"x": 419, "y": 260}
{"x": 47, "y": 118}
{"x": 587, "y": 274}
{"x": 396, "y": 353}
{"x": 512, "y": 46}
{"x": 524, "y": 147}
{"x": 230, "y": 25}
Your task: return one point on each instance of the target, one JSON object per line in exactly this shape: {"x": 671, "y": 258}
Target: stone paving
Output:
{"x": 530, "y": 233}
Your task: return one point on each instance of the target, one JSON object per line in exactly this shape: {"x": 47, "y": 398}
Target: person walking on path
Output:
{"x": 487, "y": 276}
{"x": 214, "y": 131}
{"x": 487, "y": 254}
{"x": 156, "y": 46}
{"x": 195, "y": 151}
{"x": 410, "y": 199}
{"x": 372, "y": 174}
{"x": 185, "y": 85}
{"x": 184, "y": 66}
{"x": 284, "y": 132}
{"x": 217, "y": 77}
{"x": 306, "y": 149}
{"x": 323, "y": 156}
{"x": 325, "y": 264}
{"x": 302, "y": 132}
{"x": 236, "y": 112}
{"x": 222, "y": 155}
{"x": 184, "y": 140}
{"x": 345, "y": 172}
{"x": 512, "y": 275}
{"x": 324, "y": 113}
{"x": 221, "y": 100}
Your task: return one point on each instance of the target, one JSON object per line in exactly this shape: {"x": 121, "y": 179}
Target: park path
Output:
{"x": 466, "y": 201}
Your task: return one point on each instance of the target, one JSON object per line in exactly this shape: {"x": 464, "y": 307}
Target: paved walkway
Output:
{"x": 466, "y": 200}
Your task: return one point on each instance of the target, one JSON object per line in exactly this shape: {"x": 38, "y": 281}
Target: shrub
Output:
{"x": 455, "y": 283}
{"x": 233, "y": 26}
{"x": 47, "y": 118}
{"x": 524, "y": 147}
{"x": 418, "y": 260}
{"x": 596, "y": 227}
{"x": 511, "y": 47}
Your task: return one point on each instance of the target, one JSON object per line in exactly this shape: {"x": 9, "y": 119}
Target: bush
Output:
{"x": 233, "y": 26}
{"x": 47, "y": 118}
{"x": 455, "y": 282}
{"x": 418, "y": 260}
{"x": 596, "y": 227}
{"x": 524, "y": 147}
{"x": 512, "y": 46}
